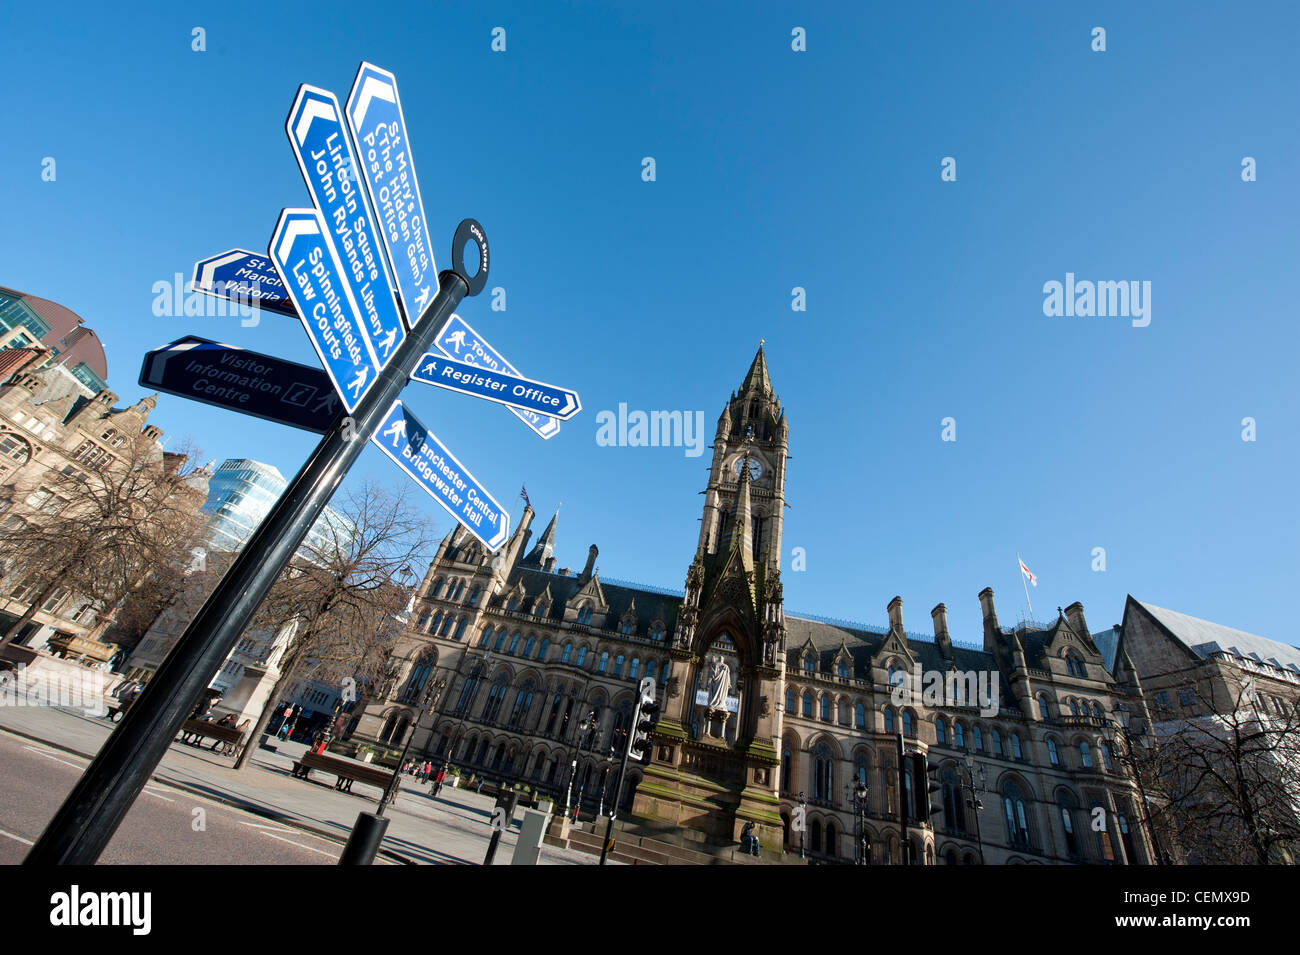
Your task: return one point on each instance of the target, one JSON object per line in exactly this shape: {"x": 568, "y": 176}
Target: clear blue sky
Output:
{"x": 775, "y": 169}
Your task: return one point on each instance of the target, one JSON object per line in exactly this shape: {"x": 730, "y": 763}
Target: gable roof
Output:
{"x": 1205, "y": 638}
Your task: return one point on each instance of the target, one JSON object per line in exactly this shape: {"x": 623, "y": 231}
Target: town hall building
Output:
{"x": 838, "y": 742}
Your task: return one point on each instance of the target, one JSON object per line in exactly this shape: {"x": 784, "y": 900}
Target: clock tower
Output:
{"x": 715, "y": 760}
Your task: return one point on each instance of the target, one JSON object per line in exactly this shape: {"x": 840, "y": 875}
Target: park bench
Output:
{"x": 229, "y": 738}
{"x": 346, "y": 772}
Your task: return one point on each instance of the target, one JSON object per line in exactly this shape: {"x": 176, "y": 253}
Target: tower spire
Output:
{"x": 756, "y": 379}
{"x": 545, "y": 546}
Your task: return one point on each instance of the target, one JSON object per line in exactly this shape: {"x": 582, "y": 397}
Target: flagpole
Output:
{"x": 1020, "y": 566}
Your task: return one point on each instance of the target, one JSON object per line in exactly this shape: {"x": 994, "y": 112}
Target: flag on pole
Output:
{"x": 523, "y": 492}
{"x": 1029, "y": 576}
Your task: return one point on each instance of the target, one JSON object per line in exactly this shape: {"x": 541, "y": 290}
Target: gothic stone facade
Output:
{"x": 505, "y": 657}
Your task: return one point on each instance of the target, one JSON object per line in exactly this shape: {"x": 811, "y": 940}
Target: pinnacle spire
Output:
{"x": 756, "y": 379}
{"x": 545, "y": 546}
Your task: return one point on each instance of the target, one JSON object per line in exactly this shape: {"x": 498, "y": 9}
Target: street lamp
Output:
{"x": 1122, "y": 720}
{"x": 584, "y": 727}
{"x": 974, "y": 802}
{"x": 860, "y": 806}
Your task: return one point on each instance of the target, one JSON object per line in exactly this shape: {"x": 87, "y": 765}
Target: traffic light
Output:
{"x": 644, "y": 718}
{"x": 934, "y": 786}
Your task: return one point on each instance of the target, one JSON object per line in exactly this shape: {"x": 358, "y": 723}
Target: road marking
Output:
{"x": 257, "y": 825}
{"x": 300, "y": 845}
{"x": 41, "y": 752}
{"x": 158, "y": 795}
{"x": 18, "y": 838}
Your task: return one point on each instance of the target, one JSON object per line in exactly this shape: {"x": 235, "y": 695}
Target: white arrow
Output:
{"x": 210, "y": 269}
{"x": 372, "y": 87}
{"x": 396, "y": 431}
{"x": 292, "y": 230}
{"x": 315, "y": 109}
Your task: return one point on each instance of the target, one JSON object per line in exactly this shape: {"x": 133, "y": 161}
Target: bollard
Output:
{"x": 503, "y": 815}
{"x": 363, "y": 844}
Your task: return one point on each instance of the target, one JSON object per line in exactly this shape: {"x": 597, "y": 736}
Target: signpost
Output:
{"x": 416, "y": 450}
{"x": 248, "y": 278}
{"x": 375, "y": 117}
{"x": 458, "y": 340}
{"x": 272, "y": 388}
{"x": 329, "y": 166}
{"x": 330, "y": 267}
{"x": 506, "y": 389}
{"x": 314, "y": 276}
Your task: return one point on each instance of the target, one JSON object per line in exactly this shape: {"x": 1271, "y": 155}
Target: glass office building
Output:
{"x": 240, "y": 494}
{"x": 29, "y": 321}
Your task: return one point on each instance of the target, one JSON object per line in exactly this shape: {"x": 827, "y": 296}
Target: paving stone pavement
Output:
{"x": 452, "y": 829}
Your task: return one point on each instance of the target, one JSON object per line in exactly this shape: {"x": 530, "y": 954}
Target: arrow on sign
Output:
{"x": 245, "y": 381}
{"x": 244, "y": 277}
{"x": 313, "y": 274}
{"x": 421, "y": 455}
{"x": 459, "y": 341}
{"x": 497, "y": 386}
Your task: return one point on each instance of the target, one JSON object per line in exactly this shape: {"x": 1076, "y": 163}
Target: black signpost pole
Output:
{"x": 111, "y": 783}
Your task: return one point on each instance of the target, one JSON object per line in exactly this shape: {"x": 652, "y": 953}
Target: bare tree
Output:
{"x": 342, "y": 599}
{"x": 101, "y": 528}
{"x": 1228, "y": 776}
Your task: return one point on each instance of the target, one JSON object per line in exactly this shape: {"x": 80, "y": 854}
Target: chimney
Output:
{"x": 563, "y": 572}
{"x": 550, "y": 565}
{"x": 989, "y": 611}
{"x": 941, "y": 639}
{"x": 896, "y": 615}
{"x": 1074, "y": 614}
{"x": 592, "y": 551}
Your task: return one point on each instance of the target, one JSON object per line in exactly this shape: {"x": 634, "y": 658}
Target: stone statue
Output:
{"x": 719, "y": 684}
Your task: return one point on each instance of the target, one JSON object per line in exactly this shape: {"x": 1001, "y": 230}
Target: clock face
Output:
{"x": 755, "y": 468}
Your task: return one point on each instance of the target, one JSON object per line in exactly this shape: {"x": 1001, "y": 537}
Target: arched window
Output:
{"x": 1074, "y": 707}
{"x": 650, "y": 669}
{"x": 604, "y": 662}
{"x": 469, "y": 691}
{"x": 1015, "y": 746}
{"x": 785, "y": 767}
{"x": 1106, "y": 757}
{"x": 908, "y": 727}
{"x": 663, "y": 675}
{"x": 809, "y": 664}
{"x": 501, "y": 639}
{"x": 1042, "y": 706}
{"x": 523, "y": 701}
{"x": 514, "y": 643}
{"x": 632, "y": 668}
{"x": 424, "y": 618}
{"x": 941, "y": 730}
{"x": 657, "y": 631}
{"x": 564, "y": 654}
{"x": 1085, "y": 754}
{"x": 1096, "y": 710}
{"x": 1066, "y": 808}
{"x": 826, "y": 709}
{"x": 860, "y": 716}
{"x": 473, "y": 594}
{"x": 512, "y": 603}
{"x": 528, "y": 647}
{"x": 959, "y": 735}
{"x": 997, "y": 743}
{"x": 844, "y": 669}
{"x": 447, "y": 621}
{"x": 618, "y": 665}
{"x": 460, "y": 628}
{"x": 433, "y": 624}
{"x": 807, "y": 704}
{"x": 460, "y": 585}
{"x": 495, "y": 697}
{"x": 860, "y": 768}
{"x": 582, "y": 655}
{"x": 789, "y": 701}
{"x": 1052, "y": 754}
{"x": 437, "y": 588}
{"x": 823, "y": 772}
{"x": 487, "y": 635}
{"x": 889, "y": 720}
{"x": 1013, "y": 808}
{"x": 541, "y": 651}
{"x": 979, "y": 739}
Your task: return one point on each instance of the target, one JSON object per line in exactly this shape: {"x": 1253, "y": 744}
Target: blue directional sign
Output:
{"x": 421, "y": 455}
{"x": 281, "y": 391}
{"x": 459, "y": 341}
{"x": 313, "y": 276}
{"x": 329, "y": 166}
{"x": 374, "y": 114}
{"x": 245, "y": 277}
{"x": 496, "y": 386}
